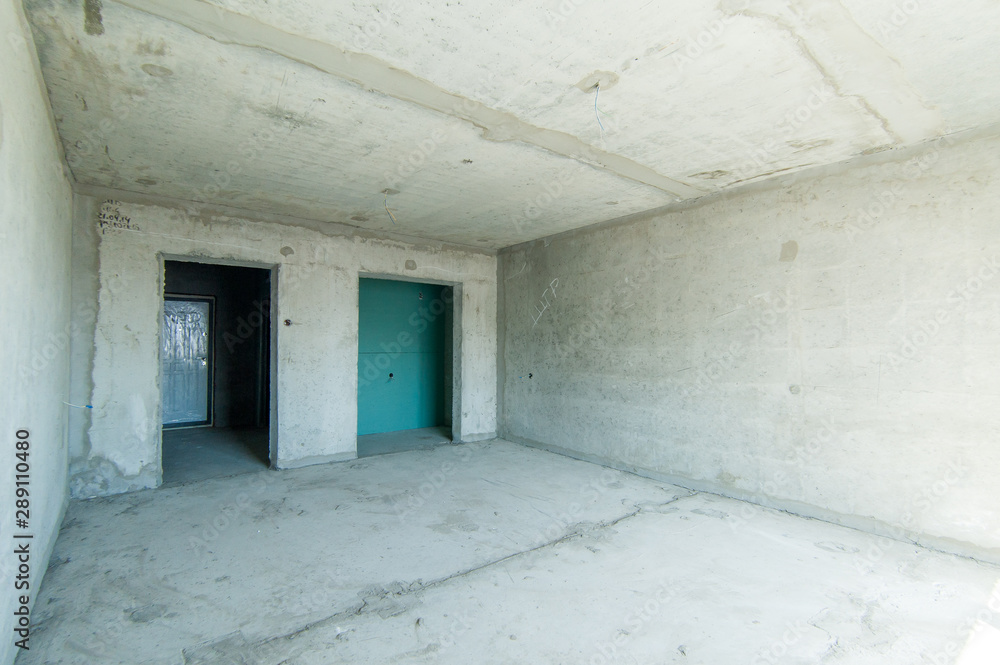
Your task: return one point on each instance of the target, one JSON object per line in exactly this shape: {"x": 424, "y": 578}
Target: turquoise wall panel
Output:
{"x": 401, "y": 332}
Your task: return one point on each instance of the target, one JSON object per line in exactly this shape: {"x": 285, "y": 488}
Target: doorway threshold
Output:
{"x": 384, "y": 443}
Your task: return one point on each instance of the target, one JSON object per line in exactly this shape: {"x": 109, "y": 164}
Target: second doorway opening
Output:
{"x": 405, "y": 365}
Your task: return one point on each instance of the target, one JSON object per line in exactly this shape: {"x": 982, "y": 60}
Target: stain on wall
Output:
{"x": 93, "y": 22}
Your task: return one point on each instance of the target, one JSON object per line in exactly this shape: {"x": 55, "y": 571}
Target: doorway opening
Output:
{"x": 215, "y": 356}
{"x": 405, "y": 365}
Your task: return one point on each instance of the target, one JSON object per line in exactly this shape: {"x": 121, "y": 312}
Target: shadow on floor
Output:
{"x": 397, "y": 442}
{"x": 198, "y": 453}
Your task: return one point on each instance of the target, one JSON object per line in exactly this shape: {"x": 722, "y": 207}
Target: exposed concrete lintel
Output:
{"x": 217, "y": 209}
{"x": 229, "y": 27}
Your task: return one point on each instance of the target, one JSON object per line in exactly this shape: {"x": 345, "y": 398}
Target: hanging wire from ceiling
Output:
{"x": 597, "y": 111}
{"x": 386, "y": 204}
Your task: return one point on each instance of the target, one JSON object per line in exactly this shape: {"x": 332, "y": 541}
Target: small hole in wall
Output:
{"x": 390, "y": 375}
{"x": 420, "y": 295}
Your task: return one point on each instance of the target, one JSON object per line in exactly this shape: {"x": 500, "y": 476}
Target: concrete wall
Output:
{"x": 316, "y": 356}
{"x": 35, "y": 214}
{"x": 828, "y": 344}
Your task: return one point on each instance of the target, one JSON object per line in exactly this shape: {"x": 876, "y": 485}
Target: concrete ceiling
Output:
{"x": 474, "y": 122}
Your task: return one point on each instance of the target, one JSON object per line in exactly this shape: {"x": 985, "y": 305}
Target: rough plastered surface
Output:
{"x": 828, "y": 346}
{"x": 35, "y": 331}
{"x": 484, "y": 116}
{"x": 317, "y": 355}
{"x": 270, "y": 134}
{"x": 491, "y": 553}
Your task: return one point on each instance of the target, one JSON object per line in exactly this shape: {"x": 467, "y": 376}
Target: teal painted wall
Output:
{"x": 405, "y": 335}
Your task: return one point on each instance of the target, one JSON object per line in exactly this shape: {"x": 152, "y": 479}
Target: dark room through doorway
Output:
{"x": 215, "y": 359}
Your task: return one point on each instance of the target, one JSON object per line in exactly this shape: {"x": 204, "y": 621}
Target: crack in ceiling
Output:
{"x": 371, "y": 73}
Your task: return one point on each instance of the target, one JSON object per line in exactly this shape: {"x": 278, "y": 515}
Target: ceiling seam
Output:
{"x": 227, "y": 27}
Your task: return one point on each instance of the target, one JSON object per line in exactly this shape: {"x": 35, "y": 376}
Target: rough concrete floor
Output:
{"x": 397, "y": 442}
{"x": 488, "y": 553}
{"x": 199, "y": 453}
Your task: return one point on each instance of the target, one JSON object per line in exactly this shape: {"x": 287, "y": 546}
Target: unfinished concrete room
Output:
{"x": 559, "y": 331}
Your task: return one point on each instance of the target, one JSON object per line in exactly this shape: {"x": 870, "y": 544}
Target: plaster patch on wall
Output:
{"x": 789, "y": 251}
{"x": 157, "y": 70}
{"x": 99, "y": 477}
{"x": 602, "y": 79}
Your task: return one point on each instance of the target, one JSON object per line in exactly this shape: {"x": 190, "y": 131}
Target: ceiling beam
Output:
{"x": 371, "y": 73}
